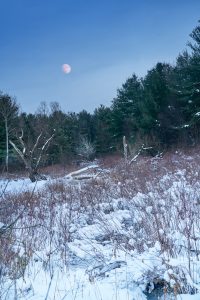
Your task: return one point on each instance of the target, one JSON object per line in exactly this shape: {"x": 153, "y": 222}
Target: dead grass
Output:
{"x": 46, "y": 217}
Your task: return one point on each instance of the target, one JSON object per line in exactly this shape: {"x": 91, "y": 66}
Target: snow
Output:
{"x": 20, "y": 185}
{"x": 113, "y": 250}
{"x": 188, "y": 297}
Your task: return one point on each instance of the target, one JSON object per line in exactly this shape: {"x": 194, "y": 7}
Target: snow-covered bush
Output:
{"x": 137, "y": 226}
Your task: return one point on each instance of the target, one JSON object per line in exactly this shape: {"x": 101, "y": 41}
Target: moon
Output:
{"x": 66, "y": 68}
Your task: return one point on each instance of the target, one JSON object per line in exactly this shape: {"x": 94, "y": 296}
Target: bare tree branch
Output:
{"x": 36, "y": 143}
{"x": 43, "y": 148}
{"x": 32, "y": 159}
{"x": 21, "y": 154}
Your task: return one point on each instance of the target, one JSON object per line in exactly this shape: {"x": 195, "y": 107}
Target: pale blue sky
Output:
{"x": 103, "y": 41}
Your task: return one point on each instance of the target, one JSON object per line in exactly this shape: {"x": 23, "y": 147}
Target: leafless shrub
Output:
{"x": 85, "y": 149}
{"x": 161, "y": 195}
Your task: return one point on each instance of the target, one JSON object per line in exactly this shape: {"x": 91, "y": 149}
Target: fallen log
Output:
{"x": 81, "y": 171}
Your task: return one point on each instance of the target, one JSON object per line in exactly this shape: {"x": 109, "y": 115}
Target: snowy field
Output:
{"x": 120, "y": 235}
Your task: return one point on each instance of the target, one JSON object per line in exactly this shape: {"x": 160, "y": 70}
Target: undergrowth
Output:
{"x": 160, "y": 196}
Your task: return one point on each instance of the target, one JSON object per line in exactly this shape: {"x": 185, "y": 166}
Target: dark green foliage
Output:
{"x": 62, "y": 148}
{"x": 187, "y": 77}
{"x": 2, "y": 141}
{"x": 102, "y": 118}
{"x": 160, "y": 109}
{"x": 85, "y": 125}
{"x": 8, "y": 117}
{"x": 126, "y": 109}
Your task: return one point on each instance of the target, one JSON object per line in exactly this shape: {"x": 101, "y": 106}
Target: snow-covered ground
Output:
{"x": 88, "y": 240}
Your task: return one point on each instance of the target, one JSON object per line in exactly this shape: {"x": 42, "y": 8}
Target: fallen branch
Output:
{"x": 139, "y": 152}
{"x": 136, "y": 156}
{"x": 82, "y": 177}
{"x": 78, "y": 172}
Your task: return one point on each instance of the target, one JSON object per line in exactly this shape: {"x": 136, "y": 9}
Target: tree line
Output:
{"x": 159, "y": 110}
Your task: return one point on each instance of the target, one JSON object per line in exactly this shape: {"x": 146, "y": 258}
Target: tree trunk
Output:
{"x": 7, "y": 154}
{"x": 35, "y": 176}
{"x": 125, "y": 149}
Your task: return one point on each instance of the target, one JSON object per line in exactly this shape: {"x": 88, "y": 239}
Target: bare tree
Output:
{"x": 55, "y": 107}
{"x": 8, "y": 110}
{"x": 43, "y": 109}
{"x": 32, "y": 157}
{"x": 85, "y": 149}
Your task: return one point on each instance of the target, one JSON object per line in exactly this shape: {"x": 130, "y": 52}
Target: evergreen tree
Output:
{"x": 159, "y": 107}
{"x": 194, "y": 78}
{"x": 102, "y": 129}
{"x": 126, "y": 111}
{"x": 85, "y": 125}
{"x": 188, "y": 85}
{"x": 8, "y": 112}
{"x": 63, "y": 146}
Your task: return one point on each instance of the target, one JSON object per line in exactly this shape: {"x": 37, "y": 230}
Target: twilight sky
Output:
{"x": 104, "y": 41}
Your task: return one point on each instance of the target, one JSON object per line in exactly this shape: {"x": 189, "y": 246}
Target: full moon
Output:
{"x": 66, "y": 68}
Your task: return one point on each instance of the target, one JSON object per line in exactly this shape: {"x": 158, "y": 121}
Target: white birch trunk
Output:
{"x": 7, "y": 150}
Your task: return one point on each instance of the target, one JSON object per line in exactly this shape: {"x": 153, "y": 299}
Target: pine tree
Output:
{"x": 188, "y": 85}
{"x": 159, "y": 106}
{"x": 126, "y": 111}
{"x": 102, "y": 129}
{"x": 63, "y": 146}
